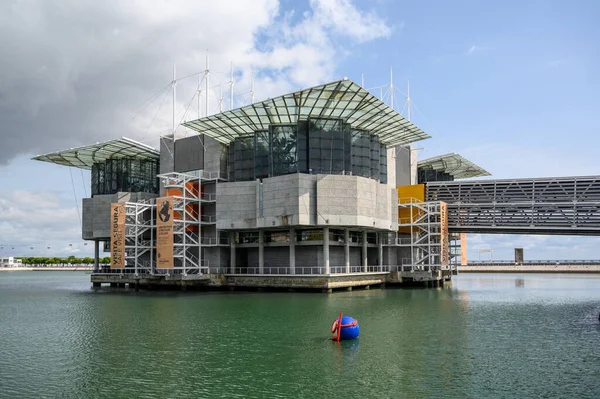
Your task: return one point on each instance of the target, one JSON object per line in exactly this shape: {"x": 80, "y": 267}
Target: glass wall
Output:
{"x": 244, "y": 158}
{"x": 316, "y": 146}
{"x": 126, "y": 175}
{"x": 261, "y": 155}
{"x": 427, "y": 175}
{"x": 284, "y": 150}
{"x": 326, "y": 146}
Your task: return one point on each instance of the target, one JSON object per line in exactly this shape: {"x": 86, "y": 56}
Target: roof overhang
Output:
{"x": 342, "y": 99}
{"x": 84, "y": 157}
{"x": 453, "y": 164}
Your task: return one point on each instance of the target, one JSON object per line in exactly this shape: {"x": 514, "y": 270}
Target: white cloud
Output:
{"x": 39, "y": 220}
{"x": 474, "y": 48}
{"x": 79, "y": 72}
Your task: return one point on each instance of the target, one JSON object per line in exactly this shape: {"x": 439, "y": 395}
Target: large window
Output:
{"x": 284, "y": 150}
{"x": 326, "y": 146}
{"x": 244, "y": 158}
{"x": 383, "y": 164}
{"x": 261, "y": 155}
{"x": 317, "y": 146}
{"x": 361, "y": 153}
{"x": 126, "y": 175}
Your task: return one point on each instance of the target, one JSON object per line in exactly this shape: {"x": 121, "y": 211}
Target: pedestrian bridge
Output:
{"x": 556, "y": 205}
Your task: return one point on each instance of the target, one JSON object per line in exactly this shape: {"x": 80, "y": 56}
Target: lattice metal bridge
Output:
{"x": 561, "y": 205}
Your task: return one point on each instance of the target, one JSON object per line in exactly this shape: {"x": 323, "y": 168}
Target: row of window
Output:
{"x": 275, "y": 236}
{"x": 316, "y": 146}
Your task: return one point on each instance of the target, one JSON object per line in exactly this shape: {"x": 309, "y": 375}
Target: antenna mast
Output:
{"x": 207, "y": 77}
{"x": 391, "y": 88}
{"x": 174, "y": 84}
{"x": 231, "y": 88}
{"x": 252, "y": 89}
{"x": 221, "y": 97}
{"x": 408, "y": 100}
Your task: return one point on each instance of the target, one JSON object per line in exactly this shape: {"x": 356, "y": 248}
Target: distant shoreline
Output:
{"x": 47, "y": 269}
{"x": 530, "y": 269}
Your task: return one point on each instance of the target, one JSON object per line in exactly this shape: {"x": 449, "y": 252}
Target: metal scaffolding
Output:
{"x": 425, "y": 236}
{"x": 139, "y": 236}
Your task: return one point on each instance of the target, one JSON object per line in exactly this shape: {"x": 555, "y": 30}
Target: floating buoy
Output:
{"x": 344, "y": 328}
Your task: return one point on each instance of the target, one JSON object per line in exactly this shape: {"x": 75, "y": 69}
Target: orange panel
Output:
{"x": 406, "y": 194}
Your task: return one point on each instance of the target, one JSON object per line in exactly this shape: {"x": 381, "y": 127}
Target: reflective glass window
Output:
{"x": 284, "y": 154}
{"x": 244, "y": 158}
{"x": 261, "y": 155}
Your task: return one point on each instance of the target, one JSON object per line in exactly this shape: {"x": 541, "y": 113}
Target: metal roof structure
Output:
{"x": 342, "y": 99}
{"x": 84, "y": 157}
{"x": 453, "y": 164}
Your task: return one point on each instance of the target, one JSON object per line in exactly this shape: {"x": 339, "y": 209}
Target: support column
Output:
{"x": 326, "y": 249}
{"x": 380, "y": 248}
{"x": 292, "y": 251}
{"x": 232, "y": 248}
{"x": 261, "y": 251}
{"x": 364, "y": 251}
{"x": 96, "y": 255}
{"x": 347, "y": 249}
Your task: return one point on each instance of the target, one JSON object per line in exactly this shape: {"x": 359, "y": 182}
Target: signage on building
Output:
{"x": 117, "y": 236}
{"x": 164, "y": 232}
{"x": 463, "y": 249}
{"x": 444, "y": 244}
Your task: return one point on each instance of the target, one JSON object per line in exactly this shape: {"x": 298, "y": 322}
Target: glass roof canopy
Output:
{"x": 453, "y": 164}
{"x": 84, "y": 157}
{"x": 341, "y": 99}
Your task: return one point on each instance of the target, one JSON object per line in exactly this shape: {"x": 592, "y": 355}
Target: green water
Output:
{"x": 505, "y": 336}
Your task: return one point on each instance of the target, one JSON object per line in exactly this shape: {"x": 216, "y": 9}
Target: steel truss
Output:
{"x": 424, "y": 242}
{"x": 546, "y": 206}
{"x": 139, "y": 236}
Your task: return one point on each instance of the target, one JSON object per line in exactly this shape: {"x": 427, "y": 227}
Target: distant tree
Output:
{"x": 87, "y": 260}
{"x": 105, "y": 260}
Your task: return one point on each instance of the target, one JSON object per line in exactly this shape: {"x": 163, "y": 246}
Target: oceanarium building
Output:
{"x": 314, "y": 189}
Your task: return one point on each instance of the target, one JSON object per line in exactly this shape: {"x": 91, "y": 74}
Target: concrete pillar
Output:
{"x": 261, "y": 251}
{"x": 380, "y": 248}
{"x": 96, "y": 255}
{"x": 364, "y": 251}
{"x": 232, "y": 248}
{"x": 292, "y": 251}
{"x": 347, "y": 249}
{"x": 326, "y": 249}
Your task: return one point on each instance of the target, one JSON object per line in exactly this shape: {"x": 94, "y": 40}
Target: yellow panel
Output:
{"x": 416, "y": 191}
{"x": 406, "y": 194}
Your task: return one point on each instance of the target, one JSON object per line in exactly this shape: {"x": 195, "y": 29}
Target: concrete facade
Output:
{"x": 306, "y": 200}
{"x": 95, "y": 221}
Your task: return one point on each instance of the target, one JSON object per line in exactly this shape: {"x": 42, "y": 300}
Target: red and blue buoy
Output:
{"x": 344, "y": 328}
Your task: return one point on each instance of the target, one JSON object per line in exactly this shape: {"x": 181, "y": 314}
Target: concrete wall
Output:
{"x": 95, "y": 221}
{"x": 402, "y": 167}
{"x": 212, "y": 156}
{"x": 354, "y": 201}
{"x": 189, "y": 153}
{"x": 236, "y": 205}
{"x": 306, "y": 200}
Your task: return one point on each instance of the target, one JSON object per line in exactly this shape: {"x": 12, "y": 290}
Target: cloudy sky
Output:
{"x": 512, "y": 86}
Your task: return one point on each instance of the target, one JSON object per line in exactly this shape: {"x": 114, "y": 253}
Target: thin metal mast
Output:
{"x": 199, "y": 92}
{"x": 391, "y": 88}
{"x": 174, "y": 84}
{"x": 408, "y": 99}
{"x": 252, "y": 89}
{"x": 221, "y": 97}
{"x": 231, "y": 88}
{"x": 207, "y": 77}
